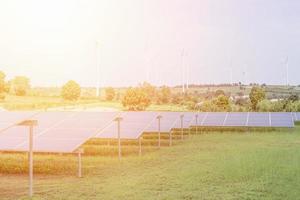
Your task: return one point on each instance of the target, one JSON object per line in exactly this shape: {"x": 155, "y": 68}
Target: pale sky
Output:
{"x": 52, "y": 41}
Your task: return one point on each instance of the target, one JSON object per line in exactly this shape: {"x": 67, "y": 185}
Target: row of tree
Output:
{"x": 18, "y": 86}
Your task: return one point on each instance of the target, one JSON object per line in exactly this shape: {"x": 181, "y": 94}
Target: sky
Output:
{"x": 159, "y": 41}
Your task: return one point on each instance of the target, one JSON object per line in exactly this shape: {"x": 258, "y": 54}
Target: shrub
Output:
{"x": 135, "y": 99}
{"x": 71, "y": 91}
{"x": 110, "y": 93}
{"x": 257, "y": 94}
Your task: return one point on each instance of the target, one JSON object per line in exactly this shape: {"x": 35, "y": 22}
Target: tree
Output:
{"x": 135, "y": 99}
{"x": 2, "y": 85}
{"x": 264, "y": 106}
{"x": 257, "y": 94}
{"x": 110, "y": 93}
{"x": 148, "y": 89}
{"x": 165, "y": 94}
{"x": 219, "y": 92}
{"x": 20, "y": 85}
{"x": 222, "y": 102}
{"x": 71, "y": 91}
{"x": 2, "y": 82}
{"x": 293, "y": 97}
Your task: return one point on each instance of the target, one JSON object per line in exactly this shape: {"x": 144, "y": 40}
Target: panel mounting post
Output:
{"x": 196, "y": 118}
{"x": 30, "y": 124}
{"x": 181, "y": 125}
{"x": 140, "y": 145}
{"x": 80, "y": 152}
{"x": 170, "y": 138}
{"x": 118, "y": 120}
{"x": 158, "y": 119}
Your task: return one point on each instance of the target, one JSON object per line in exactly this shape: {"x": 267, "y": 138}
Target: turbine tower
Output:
{"x": 182, "y": 71}
{"x": 287, "y": 70}
{"x": 97, "y": 68}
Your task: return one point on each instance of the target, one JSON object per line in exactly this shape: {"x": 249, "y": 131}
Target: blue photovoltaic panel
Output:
{"x": 17, "y": 136}
{"x": 9, "y": 118}
{"x": 200, "y": 119}
{"x": 259, "y": 119}
{"x": 167, "y": 122}
{"x": 56, "y": 131}
{"x": 297, "y": 116}
{"x": 283, "y": 119}
{"x": 214, "y": 119}
{"x": 132, "y": 125}
{"x": 187, "y": 119}
{"x": 236, "y": 119}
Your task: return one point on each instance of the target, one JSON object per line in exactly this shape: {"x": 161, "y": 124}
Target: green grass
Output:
{"x": 255, "y": 165}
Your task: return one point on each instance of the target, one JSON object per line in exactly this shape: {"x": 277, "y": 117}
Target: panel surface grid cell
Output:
{"x": 167, "y": 122}
{"x": 282, "y": 119}
{"x": 131, "y": 127}
{"x": 238, "y": 119}
{"x": 214, "y": 119}
{"x": 258, "y": 120}
{"x": 187, "y": 120}
{"x": 56, "y": 131}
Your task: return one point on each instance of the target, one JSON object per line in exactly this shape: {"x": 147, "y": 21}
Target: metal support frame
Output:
{"x": 79, "y": 153}
{"x": 159, "y": 133}
{"x": 181, "y": 125}
{"x": 196, "y": 118}
{"x": 30, "y": 161}
{"x": 30, "y": 124}
{"x": 118, "y": 120}
{"x": 170, "y": 138}
{"x": 140, "y": 145}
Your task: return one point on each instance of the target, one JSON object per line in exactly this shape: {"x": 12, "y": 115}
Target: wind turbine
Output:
{"x": 245, "y": 73}
{"x": 230, "y": 72}
{"x": 287, "y": 70}
{"x": 182, "y": 71}
{"x": 97, "y": 68}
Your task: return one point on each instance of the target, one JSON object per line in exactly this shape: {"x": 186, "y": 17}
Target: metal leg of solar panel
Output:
{"x": 181, "y": 125}
{"x": 79, "y": 165}
{"x": 118, "y": 120}
{"x": 30, "y": 124}
{"x": 30, "y": 161}
{"x": 170, "y": 138}
{"x": 140, "y": 145}
{"x": 158, "y": 119}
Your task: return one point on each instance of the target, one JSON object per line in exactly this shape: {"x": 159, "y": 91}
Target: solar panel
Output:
{"x": 200, "y": 119}
{"x": 259, "y": 119}
{"x": 56, "y": 131}
{"x": 297, "y": 116}
{"x": 10, "y": 118}
{"x": 132, "y": 125}
{"x": 214, "y": 119}
{"x": 167, "y": 122}
{"x": 282, "y": 119}
{"x": 236, "y": 119}
{"x": 186, "y": 120}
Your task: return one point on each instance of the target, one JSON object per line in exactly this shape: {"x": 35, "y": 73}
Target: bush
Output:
{"x": 257, "y": 94}
{"x": 164, "y": 95}
{"x": 135, "y": 99}
{"x": 2, "y": 96}
{"x": 110, "y": 93}
{"x": 71, "y": 91}
{"x": 20, "y": 85}
{"x": 264, "y": 106}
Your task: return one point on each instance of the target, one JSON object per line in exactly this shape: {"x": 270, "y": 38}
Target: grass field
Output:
{"x": 258, "y": 165}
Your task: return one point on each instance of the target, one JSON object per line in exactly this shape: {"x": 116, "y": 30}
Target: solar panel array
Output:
{"x": 133, "y": 124}
{"x": 9, "y": 119}
{"x": 296, "y": 116}
{"x": 66, "y": 131}
{"x": 167, "y": 122}
{"x": 60, "y": 132}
